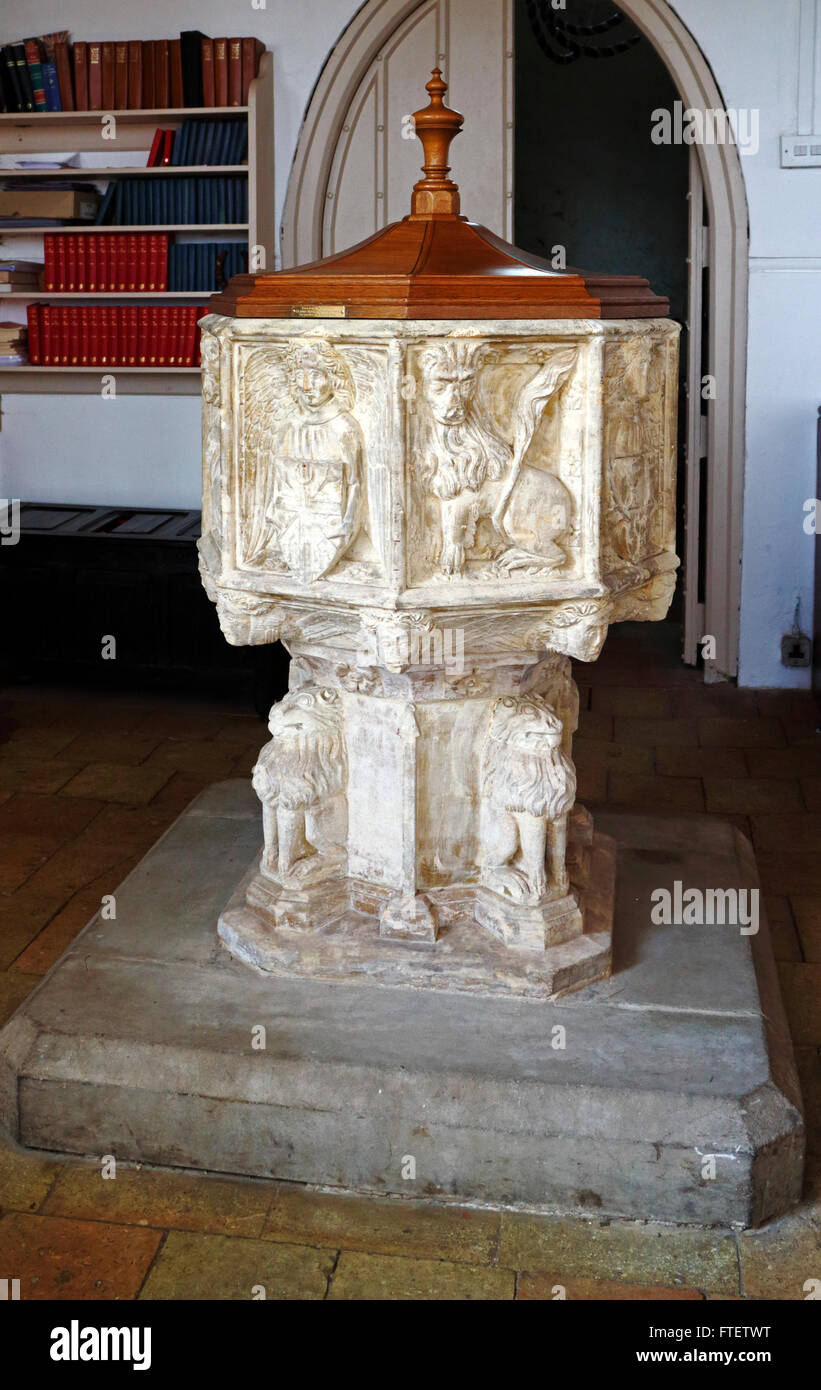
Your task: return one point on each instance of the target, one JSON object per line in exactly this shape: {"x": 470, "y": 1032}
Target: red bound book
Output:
{"x": 251, "y": 50}
{"x": 175, "y": 66}
{"x": 235, "y": 72}
{"x": 208, "y": 72}
{"x": 133, "y": 274}
{"x": 153, "y": 315}
{"x": 94, "y": 335}
{"x": 62, "y": 57}
{"x": 33, "y": 321}
{"x": 190, "y": 335}
{"x": 71, "y": 264}
{"x": 116, "y": 327}
{"x": 162, "y": 337}
{"x": 162, "y": 74}
{"x": 121, "y": 253}
{"x": 135, "y": 75}
{"x": 154, "y": 154}
{"x": 220, "y": 72}
{"x": 149, "y": 93}
{"x": 49, "y": 262}
{"x": 73, "y": 335}
{"x": 102, "y": 339}
{"x": 60, "y": 276}
{"x": 162, "y": 260}
{"x": 84, "y": 335}
{"x": 167, "y": 146}
{"x": 80, "y": 56}
{"x": 142, "y": 337}
{"x": 46, "y": 348}
{"x": 56, "y": 336}
{"x": 94, "y": 273}
{"x": 108, "y": 76}
{"x": 173, "y": 346}
{"x": 65, "y": 335}
{"x": 121, "y": 77}
{"x": 81, "y": 269}
{"x": 95, "y": 77}
{"x": 152, "y": 256}
{"x": 132, "y": 333}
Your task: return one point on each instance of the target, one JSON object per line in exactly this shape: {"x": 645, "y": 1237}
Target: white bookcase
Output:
{"x": 83, "y": 132}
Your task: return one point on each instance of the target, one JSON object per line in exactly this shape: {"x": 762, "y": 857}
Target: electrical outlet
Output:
{"x": 800, "y": 151}
{"x": 796, "y": 649}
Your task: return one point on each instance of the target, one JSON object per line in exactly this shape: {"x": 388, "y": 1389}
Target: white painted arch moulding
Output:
{"x": 344, "y": 69}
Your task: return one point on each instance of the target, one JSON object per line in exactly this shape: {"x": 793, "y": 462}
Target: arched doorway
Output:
{"x": 361, "y": 89}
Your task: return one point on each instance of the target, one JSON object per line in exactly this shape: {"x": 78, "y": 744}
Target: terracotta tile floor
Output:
{"x": 87, "y": 784}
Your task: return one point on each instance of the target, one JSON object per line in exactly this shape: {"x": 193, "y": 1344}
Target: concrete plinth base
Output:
{"x": 667, "y": 1091}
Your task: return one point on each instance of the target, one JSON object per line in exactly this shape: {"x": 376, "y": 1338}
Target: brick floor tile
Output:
{"x": 244, "y": 729}
{"x": 549, "y": 1287}
{"x": 117, "y": 782}
{"x": 391, "y": 1277}
{"x": 811, "y": 789}
{"x": 151, "y": 1197}
{"x": 47, "y": 817}
{"x": 793, "y": 832}
{"x": 782, "y": 872}
{"x": 112, "y": 748}
{"x": 25, "y": 1179}
{"x": 777, "y": 1261}
{"x": 597, "y": 755}
{"x": 716, "y": 701}
{"x": 786, "y": 943}
{"x": 417, "y": 1229}
{"x": 205, "y": 759}
{"x": 58, "y": 1259}
{"x": 655, "y": 793}
{"x": 38, "y": 742}
{"x": 808, "y": 1061}
{"x": 595, "y": 725}
{"x": 715, "y": 731}
{"x": 63, "y": 929}
{"x": 652, "y": 732}
{"x": 591, "y": 784}
{"x": 633, "y": 1252}
{"x": 807, "y": 913}
{"x": 784, "y": 762}
{"x": 801, "y": 992}
{"x": 696, "y": 762}
{"x": 750, "y": 795}
{"x": 195, "y": 1267}
{"x": 632, "y": 702}
{"x": 46, "y": 775}
{"x": 14, "y": 988}
{"x": 22, "y": 915}
{"x": 178, "y": 792}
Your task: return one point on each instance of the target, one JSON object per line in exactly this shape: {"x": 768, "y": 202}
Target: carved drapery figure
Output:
{"x": 475, "y": 474}
{"x": 309, "y": 461}
{"x": 527, "y": 788}
{"x": 301, "y": 779}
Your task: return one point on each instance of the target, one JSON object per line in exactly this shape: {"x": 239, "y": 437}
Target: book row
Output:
{"x": 201, "y": 142}
{"x": 50, "y": 74}
{"x": 134, "y": 202}
{"x": 114, "y": 335}
{"x": 205, "y": 265}
{"x": 127, "y": 262}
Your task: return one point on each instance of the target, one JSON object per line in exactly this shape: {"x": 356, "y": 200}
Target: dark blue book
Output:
{"x": 105, "y": 207}
{"x": 51, "y": 86}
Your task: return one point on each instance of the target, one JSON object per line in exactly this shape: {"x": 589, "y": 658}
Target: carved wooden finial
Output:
{"x": 436, "y": 124}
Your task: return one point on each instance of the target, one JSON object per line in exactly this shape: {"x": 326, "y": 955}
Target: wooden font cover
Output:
{"x": 435, "y": 264}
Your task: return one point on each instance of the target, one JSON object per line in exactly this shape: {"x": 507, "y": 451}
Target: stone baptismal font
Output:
{"x": 435, "y": 469}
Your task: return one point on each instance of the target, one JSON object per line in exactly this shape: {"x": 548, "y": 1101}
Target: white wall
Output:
{"x": 84, "y": 449}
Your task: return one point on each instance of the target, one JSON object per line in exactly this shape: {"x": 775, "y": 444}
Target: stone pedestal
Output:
{"x": 148, "y": 1041}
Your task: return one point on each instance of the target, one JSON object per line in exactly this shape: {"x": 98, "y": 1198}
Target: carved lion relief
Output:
{"x": 527, "y": 789}
{"x": 484, "y": 508}
{"x": 301, "y": 779}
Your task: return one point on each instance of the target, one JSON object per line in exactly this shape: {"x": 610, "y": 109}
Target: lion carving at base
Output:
{"x": 528, "y": 787}
{"x": 301, "y": 777}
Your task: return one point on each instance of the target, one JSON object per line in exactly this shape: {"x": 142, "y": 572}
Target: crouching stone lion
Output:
{"x": 527, "y": 787}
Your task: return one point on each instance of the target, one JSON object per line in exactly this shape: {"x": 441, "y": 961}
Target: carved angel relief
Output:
{"x": 492, "y": 504}
{"x": 304, "y": 464}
